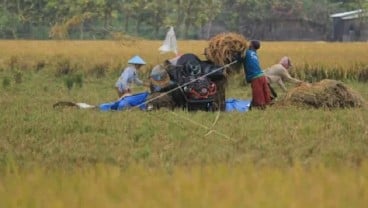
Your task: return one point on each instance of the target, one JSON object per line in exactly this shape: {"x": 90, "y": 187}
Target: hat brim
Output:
{"x": 136, "y": 60}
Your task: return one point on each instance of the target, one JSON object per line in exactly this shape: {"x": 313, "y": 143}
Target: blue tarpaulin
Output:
{"x": 126, "y": 102}
{"x": 237, "y": 105}
{"x": 140, "y": 98}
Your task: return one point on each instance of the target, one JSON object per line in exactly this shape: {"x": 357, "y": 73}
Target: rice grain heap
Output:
{"x": 224, "y": 47}
{"x": 324, "y": 94}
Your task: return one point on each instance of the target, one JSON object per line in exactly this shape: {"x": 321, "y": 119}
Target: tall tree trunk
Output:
{"x": 186, "y": 29}
{"x": 107, "y": 18}
{"x": 81, "y": 30}
{"x": 209, "y": 30}
{"x": 186, "y": 23}
{"x": 157, "y": 25}
{"x": 182, "y": 17}
{"x": 14, "y": 34}
{"x": 138, "y": 25}
{"x": 127, "y": 18}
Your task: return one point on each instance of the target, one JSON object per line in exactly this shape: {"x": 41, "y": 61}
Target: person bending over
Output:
{"x": 129, "y": 76}
{"x": 279, "y": 73}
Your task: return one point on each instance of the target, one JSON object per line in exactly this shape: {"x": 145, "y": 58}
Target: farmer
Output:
{"x": 160, "y": 79}
{"x": 129, "y": 76}
{"x": 279, "y": 73}
{"x": 254, "y": 75}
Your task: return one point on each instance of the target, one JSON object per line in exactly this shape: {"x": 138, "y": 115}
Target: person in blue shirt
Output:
{"x": 254, "y": 75}
{"x": 129, "y": 76}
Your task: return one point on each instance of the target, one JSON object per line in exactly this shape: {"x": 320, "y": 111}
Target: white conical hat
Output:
{"x": 136, "y": 60}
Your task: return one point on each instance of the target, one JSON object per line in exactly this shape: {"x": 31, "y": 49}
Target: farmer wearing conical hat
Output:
{"x": 159, "y": 79}
{"x": 254, "y": 75}
{"x": 279, "y": 73}
{"x": 129, "y": 76}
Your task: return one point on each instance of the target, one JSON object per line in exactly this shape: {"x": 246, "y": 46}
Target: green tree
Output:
{"x": 72, "y": 17}
{"x": 351, "y": 4}
{"x": 208, "y": 11}
{"x": 156, "y": 12}
{"x": 18, "y": 16}
{"x": 9, "y": 24}
{"x": 149, "y": 18}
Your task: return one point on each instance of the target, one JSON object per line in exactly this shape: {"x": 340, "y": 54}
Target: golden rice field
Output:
{"x": 89, "y": 53}
{"x": 280, "y": 157}
{"x": 216, "y": 186}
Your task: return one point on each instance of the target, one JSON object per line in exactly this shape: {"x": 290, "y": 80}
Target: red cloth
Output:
{"x": 260, "y": 92}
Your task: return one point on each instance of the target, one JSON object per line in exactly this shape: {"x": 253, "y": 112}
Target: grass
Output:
{"x": 216, "y": 186}
{"x": 281, "y": 157}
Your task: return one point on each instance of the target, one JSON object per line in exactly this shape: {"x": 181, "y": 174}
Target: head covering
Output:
{"x": 159, "y": 76}
{"x": 286, "y": 62}
{"x": 136, "y": 60}
{"x": 256, "y": 44}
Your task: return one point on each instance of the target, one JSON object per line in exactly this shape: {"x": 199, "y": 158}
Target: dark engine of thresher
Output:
{"x": 190, "y": 84}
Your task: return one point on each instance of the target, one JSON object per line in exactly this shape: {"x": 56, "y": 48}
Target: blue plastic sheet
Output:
{"x": 237, "y": 105}
{"x": 126, "y": 102}
{"x": 140, "y": 98}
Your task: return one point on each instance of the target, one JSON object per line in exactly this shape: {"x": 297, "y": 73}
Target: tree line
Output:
{"x": 101, "y": 19}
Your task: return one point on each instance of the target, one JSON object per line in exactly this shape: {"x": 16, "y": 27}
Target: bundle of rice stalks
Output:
{"x": 324, "y": 94}
{"x": 224, "y": 47}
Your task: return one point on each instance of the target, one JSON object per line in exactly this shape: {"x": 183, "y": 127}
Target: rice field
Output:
{"x": 280, "y": 157}
{"x": 86, "y": 54}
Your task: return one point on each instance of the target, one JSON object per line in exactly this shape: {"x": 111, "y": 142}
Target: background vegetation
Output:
{"x": 101, "y": 19}
{"x": 281, "y": 157}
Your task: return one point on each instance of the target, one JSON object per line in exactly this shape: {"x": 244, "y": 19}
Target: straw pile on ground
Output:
{"x": 224, "y": 47}
{"x": 161, "y": 100}
{"x": 324, "y": 94}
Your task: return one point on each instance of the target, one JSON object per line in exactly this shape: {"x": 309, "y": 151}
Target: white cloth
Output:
{"x": 85, "y": 105}
{"x": 169, "y": 44}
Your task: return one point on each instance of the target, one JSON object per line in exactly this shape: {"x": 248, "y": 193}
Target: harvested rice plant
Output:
{"x": 324, "y": 94}
{"x": 290, "y": 155}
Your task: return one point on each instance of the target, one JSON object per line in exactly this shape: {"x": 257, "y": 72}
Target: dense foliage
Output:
{"x": 101, "y": 19}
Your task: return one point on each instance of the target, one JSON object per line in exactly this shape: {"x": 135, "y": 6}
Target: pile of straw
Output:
{"x": 224, "y": 47}
{"x": 161, "y": 100}
{"x": 324, "y": 94}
